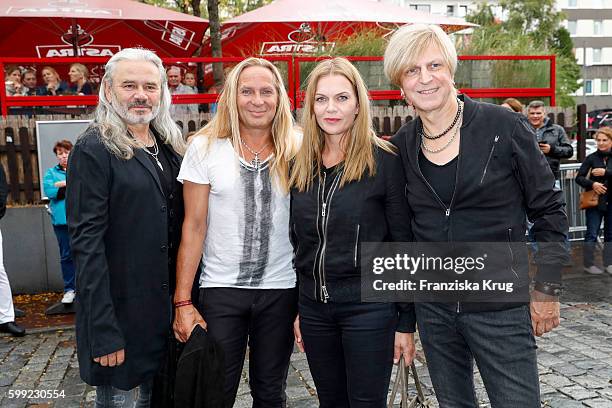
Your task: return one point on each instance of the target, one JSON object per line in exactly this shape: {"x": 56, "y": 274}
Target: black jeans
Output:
{"x": 264, "y": 318}
{"x": 349, "y": 347}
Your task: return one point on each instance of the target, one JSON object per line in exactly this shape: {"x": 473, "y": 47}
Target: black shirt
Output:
{"x": 170, "y": 187}
{"x": 165, "y": 176}
{"x": 441, "y": 178}
{"x": 330, "y": 175}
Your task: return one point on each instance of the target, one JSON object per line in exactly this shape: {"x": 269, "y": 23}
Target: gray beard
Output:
{"x": 130, "y": 118}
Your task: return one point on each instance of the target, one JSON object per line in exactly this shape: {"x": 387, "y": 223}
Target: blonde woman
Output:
{"x": 79, "y": 84}
{"x": 474, "y": 171}
{"x": 595, "y": 174}
{"x": 53, "y": 83}
{"x": 347, "y": 187}
{"x": 235, "y": 176}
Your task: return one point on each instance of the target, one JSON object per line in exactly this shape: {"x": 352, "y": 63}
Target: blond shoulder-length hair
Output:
{"x": 82, "y": 69}
{"x": 358, "y": 143}
{"x": 226, "y": 122}
{"x": 408, "y": 43}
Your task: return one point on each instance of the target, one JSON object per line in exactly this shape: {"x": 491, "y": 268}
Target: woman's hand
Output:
{"x": 297, "y": 333}
{"x": 185, "y": 320}
{"x": 599, "y": 188}
{"x": 60, "y": 184}
{"x": 51, "y": 87}
{"x": 598, "y": 172}
{"x": 404, "y": 346}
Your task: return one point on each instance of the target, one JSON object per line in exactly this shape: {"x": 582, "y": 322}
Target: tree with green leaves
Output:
{"x": 226, "y": 8}
{"x": 531, "y": 27}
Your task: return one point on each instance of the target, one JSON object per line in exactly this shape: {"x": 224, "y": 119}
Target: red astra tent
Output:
{"x": 289, "y": 27}
{"x": 94, "y": 28}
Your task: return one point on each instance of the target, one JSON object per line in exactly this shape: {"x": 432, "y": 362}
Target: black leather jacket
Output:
{"x": 328, "y": 224}
{"x": 501, "y": 176}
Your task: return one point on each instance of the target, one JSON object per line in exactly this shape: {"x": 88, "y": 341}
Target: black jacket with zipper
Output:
{"x": 501, "y": 176}
{"x": 596, "y": 160}
{"x": 327, "y": 225}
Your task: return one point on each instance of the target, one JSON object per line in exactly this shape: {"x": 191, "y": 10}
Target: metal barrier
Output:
{"x": 575, "y": 216}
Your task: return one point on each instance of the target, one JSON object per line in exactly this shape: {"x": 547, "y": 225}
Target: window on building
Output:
{"x": 605, "y": 86}
{"x": 596, "y": 55}
{"x": 597, "y": 27}
{"x": 450, "y": 10}
{"x": 421, "y": 7}
{"x": 571, "y": 27}
{"x": 588, "y": 87}
{"x": 571, "y": 3}
{"x": 598, "y": 4}
{"x": 463, "y": 10}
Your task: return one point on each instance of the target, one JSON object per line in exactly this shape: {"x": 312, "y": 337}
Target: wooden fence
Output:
{"x": 18, "y": 150}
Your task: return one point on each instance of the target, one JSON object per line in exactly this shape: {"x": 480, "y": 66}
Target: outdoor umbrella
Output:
{"x": 287, "y": 27}
{"x": 93, "y": 28}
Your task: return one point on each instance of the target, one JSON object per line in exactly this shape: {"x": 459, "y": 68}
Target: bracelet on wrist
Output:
{"x": 549, "y": 288}
{"x": 182, "y": 303}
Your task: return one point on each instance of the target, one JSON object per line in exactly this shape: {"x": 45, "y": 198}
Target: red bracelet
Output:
{"x": 182, "y": 303}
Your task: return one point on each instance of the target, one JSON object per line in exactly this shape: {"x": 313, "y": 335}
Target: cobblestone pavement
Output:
{"x": 575, "y": 364}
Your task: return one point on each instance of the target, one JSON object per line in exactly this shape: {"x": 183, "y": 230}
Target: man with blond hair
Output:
{"x": 237, "y": 205}
{"x": 474, "y": 173}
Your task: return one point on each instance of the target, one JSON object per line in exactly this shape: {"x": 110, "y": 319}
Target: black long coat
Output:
{"x": 123, "y": 251}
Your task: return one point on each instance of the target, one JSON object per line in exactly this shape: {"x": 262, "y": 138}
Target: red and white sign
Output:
{"x": 301, "y": 41}
{"x": 41, "y": 28}
{"x": 52, "y": 51}
{"x": 290, "y": 47}
{"x": 176, "y": 35}
{"x": 85, "y": 48}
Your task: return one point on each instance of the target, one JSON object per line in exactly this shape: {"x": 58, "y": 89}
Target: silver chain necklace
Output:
{"x": 256, "y": 162}
{"x": 155, "y": 152}
{"x": 450, "y": 141}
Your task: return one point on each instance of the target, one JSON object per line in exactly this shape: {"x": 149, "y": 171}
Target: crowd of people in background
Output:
{"x": 595, "y": 174}
{"x": 24, "y": 81}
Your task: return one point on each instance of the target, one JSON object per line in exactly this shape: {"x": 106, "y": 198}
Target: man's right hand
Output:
{"x": 111, "y": 360}
{"x": 185, "y": 320}
{"x": 599, "y": 188}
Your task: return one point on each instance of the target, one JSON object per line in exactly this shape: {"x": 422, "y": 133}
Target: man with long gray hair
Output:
{"x": 125, "y": 210}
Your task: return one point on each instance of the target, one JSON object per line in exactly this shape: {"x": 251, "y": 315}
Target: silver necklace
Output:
{"x": 447, "y": 143}
{"x": 256, "y": 162}
{"x": 155, "y": 153}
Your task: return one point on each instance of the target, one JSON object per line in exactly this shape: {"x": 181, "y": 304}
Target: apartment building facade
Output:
{"x": 590, "y": 25}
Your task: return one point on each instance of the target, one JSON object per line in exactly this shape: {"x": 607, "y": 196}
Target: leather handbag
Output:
{"x": 400, "y": 387}
{"x": 588, "y": 199}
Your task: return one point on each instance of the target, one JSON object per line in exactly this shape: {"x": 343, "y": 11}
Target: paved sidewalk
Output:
{"x": 575, "y": 367}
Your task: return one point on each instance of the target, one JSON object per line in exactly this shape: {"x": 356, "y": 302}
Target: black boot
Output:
{"x": 12, "y": 328}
